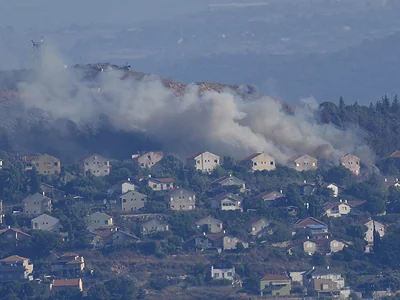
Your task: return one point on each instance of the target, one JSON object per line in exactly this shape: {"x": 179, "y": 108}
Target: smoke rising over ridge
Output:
{"x": 222, "y": 123}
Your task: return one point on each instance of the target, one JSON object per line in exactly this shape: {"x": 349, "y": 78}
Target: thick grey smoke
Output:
{"x": 219, "y": 122}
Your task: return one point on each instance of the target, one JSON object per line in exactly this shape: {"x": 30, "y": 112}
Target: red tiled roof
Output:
{"x": 194, "y": 155}
{"x": 250, "y": 157}
{"x": 103, "y": 233}
{"x": 15, "y": 230}
{"x": 66, "y": 282}
{"x": 29, "y": 158}
{"x": 308, "y": 221}
{"x": 68, "y": 254}
{"x": 14, "y": 258}
{"x": 355, "y": 203}
{"x": 163, "y": 180}
{"x": 330, "y": 205}
{"x": 395, "y": 154}
{"x": 275, "y": 277}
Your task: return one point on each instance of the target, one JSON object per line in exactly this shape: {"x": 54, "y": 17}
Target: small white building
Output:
{"x": 45, "y": 222}
{"x": 223, "y": 273}
{"x": 99, "y": 219}
{"x": 369, "y": 234}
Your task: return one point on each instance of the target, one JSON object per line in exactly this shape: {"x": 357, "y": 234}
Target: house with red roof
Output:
{"x": 13, "y": 237}
{"x": 229, "y": 181}
{"x": 15, "y": 268}
{"x": 341, "y": 208}
{"x": 147, "y": 159}
{"x": 214, "y": 241}
{"x": 66, "y": 284}
{"x": 203, "y": 161}
{"x": 259, "y": 161}
{"x": 305, "y": 162}
{"x": 68, "y": 265}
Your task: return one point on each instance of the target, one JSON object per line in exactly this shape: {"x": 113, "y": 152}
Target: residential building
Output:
{"x": 161, "y": 184}
{"x": 15, "y": 268}
{"x": 45, "y": 222}
{"x": 203, "y": 161}
{"x": 110, "y": 236}
{"x": 305, "y": 162}
{"x": 148, "y": 159}
{"x": 258, "y": 226}
{"x": 227, "y": 201}
{"x": 13, "y": 237}
{"x": 153, "y": 225}
{"x": 223, "y": 273}
{"x": 324, "y": 282}
{"x": 1, "y": 164}
{"x": 317, "y": 230}
{"x": 122, "y": 188}
{"x": 66, "y": 284}
{"x": 229, "y": 181}
{"x": 304, "y": 224}
{"x": 341, "y": 208}
{"x": 43, "y": 164}
{"x": 180, "y": 199}
{"x": 209, "y": 225}
{"x": 276, "y": 285}
{"x": 297, "y": 277}
{"x": 352, "y": 163}
{"x": 52, "y": 192}
{"x": 369, "y": 234}
{"x": 259, "y": 162}
{"x": 98, "y": 219}
{"x": 68, "y": 265}
{"x": 323, "y": 245}
{"x": 270, "y": 198}
{"x": 36, "y": 205}
{"x": 131, "y": 202}
{"x": 215, "y": 241}
{"x": 96, "y": 165}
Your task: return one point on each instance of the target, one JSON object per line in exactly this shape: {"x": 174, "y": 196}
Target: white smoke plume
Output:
{"x": 222, "y": 123}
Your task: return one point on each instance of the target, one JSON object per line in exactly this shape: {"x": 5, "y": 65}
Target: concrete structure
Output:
{"x": 15, "y": 268}
{"x": 276, "y": 285}
{"x": 203, "y": 161}
{"x": 68, "y": 265}
{"x": 180, "y": 199}
{"x": 161, "y": 184}
{"x": 96, "y": 164}
{"x": 45, "y": 222}
{"x": 259, "y": 162}
{"x": 148, "y": 159}
{"x": 341, "y": 208}
{"x": 335, "y": 189}
{"x": 352, "y": 163}
{"x": 227, "y": 201}
{"x": 258, "y": 226}
{"x": 209, "y": 225}
{"x": 228, "y": 181}
{"x": 153, "y": 225}
{"x": 36, "y": 204}
{"x": 222, "y": 273}
{"x": 131, "y": 202}
{"x": 324, "y": 282}
{"x": 305, "y": 162}
{"x": 66, "y": 284}
{"x": 369, "y": 234}
{"x": 43, "y": 164}
{"x": 99, "y": 219}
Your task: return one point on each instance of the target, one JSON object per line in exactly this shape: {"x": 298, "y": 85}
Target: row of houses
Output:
{"x": 205, "y": 161}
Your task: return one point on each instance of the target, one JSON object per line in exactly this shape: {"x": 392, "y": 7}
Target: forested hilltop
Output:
{"x": 140, "y": 240}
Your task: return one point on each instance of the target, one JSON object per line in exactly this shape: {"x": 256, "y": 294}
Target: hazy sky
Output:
{"x": 29, "y": 13}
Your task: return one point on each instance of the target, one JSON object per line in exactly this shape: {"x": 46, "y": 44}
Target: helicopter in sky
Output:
{"x": 37, "y": 45}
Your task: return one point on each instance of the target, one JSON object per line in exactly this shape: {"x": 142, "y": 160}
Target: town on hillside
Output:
{"x": 155, "y": 225}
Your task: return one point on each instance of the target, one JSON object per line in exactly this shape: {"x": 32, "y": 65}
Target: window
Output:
{"x": 190, "y": 198}
{"x": 230, "y": 274}
{"x": 229, "y": 240}
{"x": 106, "y": 222}
{"x": 154, "y": 186}
{"x": 216, "y": 275}
{"x": 254, "y": 164}
{"x": 216, "y": 161}
{"x": 271, "y": 163}
{"x": 198, "y": 162}
{"x": 124, "y": 200}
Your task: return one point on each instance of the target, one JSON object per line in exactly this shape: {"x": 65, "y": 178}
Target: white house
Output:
{"x": 203, "y": 161}
{"x": 99, "y": 219}
{"x": 369, "y": 234}
{"x": 161, "y": 184}
{"x": 45, "y": 222}
{"x": 223, "y": 273}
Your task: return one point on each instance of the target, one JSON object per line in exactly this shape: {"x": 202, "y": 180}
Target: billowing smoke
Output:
{"x": 222, "y": 123}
